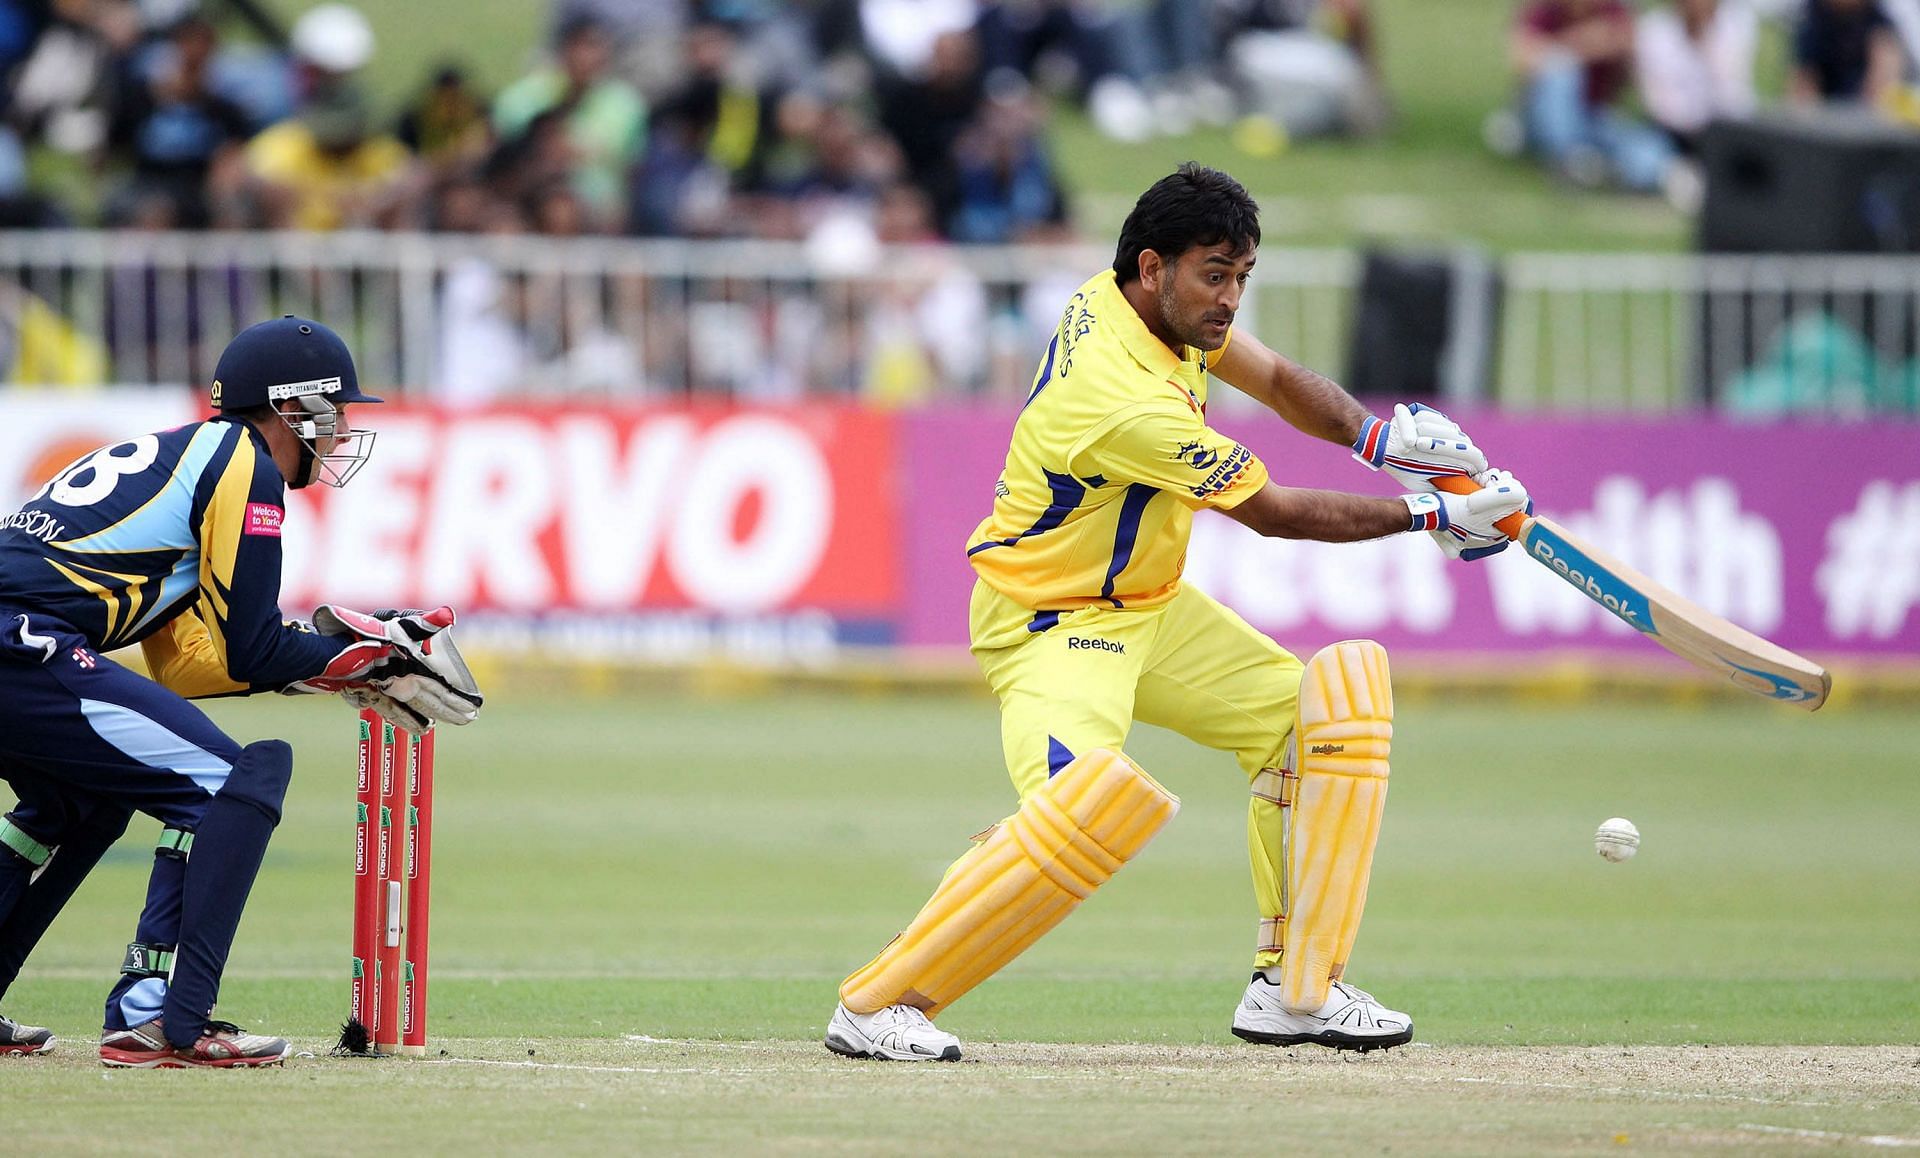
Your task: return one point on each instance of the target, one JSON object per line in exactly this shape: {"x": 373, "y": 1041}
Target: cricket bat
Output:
{"x": 1682, "y": 627}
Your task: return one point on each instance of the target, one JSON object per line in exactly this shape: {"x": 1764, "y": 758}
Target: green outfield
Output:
{"x": 643, "y": 904}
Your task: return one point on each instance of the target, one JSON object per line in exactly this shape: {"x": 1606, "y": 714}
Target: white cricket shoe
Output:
{"x": 896, "y": 1033}
{"x": 1351, "y": 1019}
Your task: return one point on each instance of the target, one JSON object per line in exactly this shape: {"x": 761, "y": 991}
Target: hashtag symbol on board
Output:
{"x": 1870, "y": 577}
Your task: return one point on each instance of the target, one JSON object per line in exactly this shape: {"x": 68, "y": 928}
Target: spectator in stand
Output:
{"x": 60, "y": 95}
{"x": 179, "y": 133}
{"x": 539, "y": 156}
{"x": 1307, "y": 64}
{"x": 1004, "y": 184}
{"x": 897, "y": 36}
{"x": 326, "y": 168}
{"x": 1693, "y": 61}
{"x": 1574, "y": 58}
{"x": 926, "y": 114}
{"x": 1169, "y": 49}
{"x": 331, "y": 44}
{"x": 1844, "y": 52}
{"x": 606, "y": 118}
{"x": 446, "y": 124}
{"x": 647, "y": 35}
{"x": 710, "y": 138}
{"x": 460, "y": 203}
{"x": 1071, "y": 45}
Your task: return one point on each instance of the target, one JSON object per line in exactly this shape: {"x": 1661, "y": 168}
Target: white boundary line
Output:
{"x": 1893, "y": 1141}
{"x": 538, "y": 1065}
{"x": 1629, "y": 1092}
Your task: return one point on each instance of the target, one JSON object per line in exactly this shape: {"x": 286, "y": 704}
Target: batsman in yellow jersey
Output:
{"x": 1082, "y": 625}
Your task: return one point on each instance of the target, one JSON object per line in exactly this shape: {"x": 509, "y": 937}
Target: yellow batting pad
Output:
{"x": 1069, "y": 836}
{"x": 1342, "y": 731}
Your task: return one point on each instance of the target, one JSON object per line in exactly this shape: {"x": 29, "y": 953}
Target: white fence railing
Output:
{"x": 1758, "y": 334}
{"x": 479, "y": 317}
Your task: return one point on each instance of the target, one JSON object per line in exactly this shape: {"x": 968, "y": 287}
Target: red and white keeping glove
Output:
{"x": 407, "y": 659}
{"x": 348, "y": 669}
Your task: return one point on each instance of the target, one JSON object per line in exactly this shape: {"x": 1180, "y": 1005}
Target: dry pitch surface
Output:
{"x": 649, "y": 1094}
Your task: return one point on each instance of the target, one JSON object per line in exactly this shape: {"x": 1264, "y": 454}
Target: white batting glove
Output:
{"x": 1463, "y": 525}
{"x": 1416, "y": 445}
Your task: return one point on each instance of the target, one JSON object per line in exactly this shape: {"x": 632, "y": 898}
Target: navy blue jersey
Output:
{"x": 171, "y": 540}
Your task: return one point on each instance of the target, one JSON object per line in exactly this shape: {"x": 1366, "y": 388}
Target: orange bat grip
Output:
{"x": 1462, "y": 485}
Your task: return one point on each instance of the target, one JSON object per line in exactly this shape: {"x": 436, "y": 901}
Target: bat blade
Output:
{"x": 1676, "y": 623}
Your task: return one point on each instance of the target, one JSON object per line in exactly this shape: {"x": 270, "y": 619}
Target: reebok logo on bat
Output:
{"x": 1624, "y": 603}
{"x": 1326, "y": 749}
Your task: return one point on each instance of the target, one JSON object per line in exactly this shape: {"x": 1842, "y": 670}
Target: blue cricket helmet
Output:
{"x": 288, "y": 357}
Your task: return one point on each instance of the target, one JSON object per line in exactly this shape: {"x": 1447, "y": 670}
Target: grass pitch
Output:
{"x": 643, "y": 905}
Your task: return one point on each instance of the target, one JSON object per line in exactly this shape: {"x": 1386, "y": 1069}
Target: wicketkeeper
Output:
{"x": 1082, "y": 624}
{"x": 172, "y": 540}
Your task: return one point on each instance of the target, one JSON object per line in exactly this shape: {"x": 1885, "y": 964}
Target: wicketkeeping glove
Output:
{"x": 1418, "y": 443}
{"x": 422, "y": 671}
{"x": 391, "y": 710}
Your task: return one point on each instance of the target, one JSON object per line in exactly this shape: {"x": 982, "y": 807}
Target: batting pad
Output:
{"x": 1343, "y": 729}
{"x": 1068, "y": 838}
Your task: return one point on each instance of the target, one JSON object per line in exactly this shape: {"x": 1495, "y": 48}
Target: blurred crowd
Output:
{"x": 844, "y": 124}
{"x": 693, "y": 118}
{"x": 925, "y": 119}
{"x": 1612, "y": 94}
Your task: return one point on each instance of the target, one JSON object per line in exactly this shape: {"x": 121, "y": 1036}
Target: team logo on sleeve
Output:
{"x": 1197, "y": 455}
{"x": 1225, "y": 473}
{"x": 264, "y": 519}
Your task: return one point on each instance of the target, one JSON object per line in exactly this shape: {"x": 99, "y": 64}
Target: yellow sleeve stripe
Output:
{"x": 220, "y": 527}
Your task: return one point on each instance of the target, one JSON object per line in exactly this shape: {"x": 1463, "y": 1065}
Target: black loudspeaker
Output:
{"x": 1423, "y": 325}
{"x": 1835, "y": 181}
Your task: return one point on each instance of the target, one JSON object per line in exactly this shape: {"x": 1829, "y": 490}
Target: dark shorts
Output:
{"x": 77, "y": 729}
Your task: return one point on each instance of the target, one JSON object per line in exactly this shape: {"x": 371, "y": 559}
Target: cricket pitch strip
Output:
{"x": 641, "y": 1093}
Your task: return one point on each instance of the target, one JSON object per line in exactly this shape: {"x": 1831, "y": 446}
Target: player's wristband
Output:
{"x": 1371, "y": 447}
{"x": 1427, "y": 511}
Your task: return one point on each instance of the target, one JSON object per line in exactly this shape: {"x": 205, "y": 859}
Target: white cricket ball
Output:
{"x": 1617, "y": 839}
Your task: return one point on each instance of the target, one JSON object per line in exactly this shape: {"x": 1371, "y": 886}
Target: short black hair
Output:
{"x": 1193, "y": 206}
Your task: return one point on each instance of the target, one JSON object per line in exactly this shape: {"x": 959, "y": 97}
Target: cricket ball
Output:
{"x": 1617, "y": 839}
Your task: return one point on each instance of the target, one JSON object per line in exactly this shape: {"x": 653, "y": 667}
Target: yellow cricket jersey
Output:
{"x": 1109, "y": 459}
{"x": 288, "y": 154}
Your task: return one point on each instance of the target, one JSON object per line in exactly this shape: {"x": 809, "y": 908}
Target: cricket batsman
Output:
{"x": 1082, "y": 625}
{"x": 172, "y": 541}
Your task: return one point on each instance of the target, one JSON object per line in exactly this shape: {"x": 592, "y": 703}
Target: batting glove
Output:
{"x": 1417, "y": 444}
{"x": 1463, "y": 525}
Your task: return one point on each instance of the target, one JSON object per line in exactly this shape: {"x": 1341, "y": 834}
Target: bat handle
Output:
{"x": 1462, "y": 485}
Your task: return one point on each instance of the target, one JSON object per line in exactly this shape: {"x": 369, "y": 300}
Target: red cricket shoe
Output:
{"x": 23, "y": 1039}
{"x": 222, "y": 1045}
